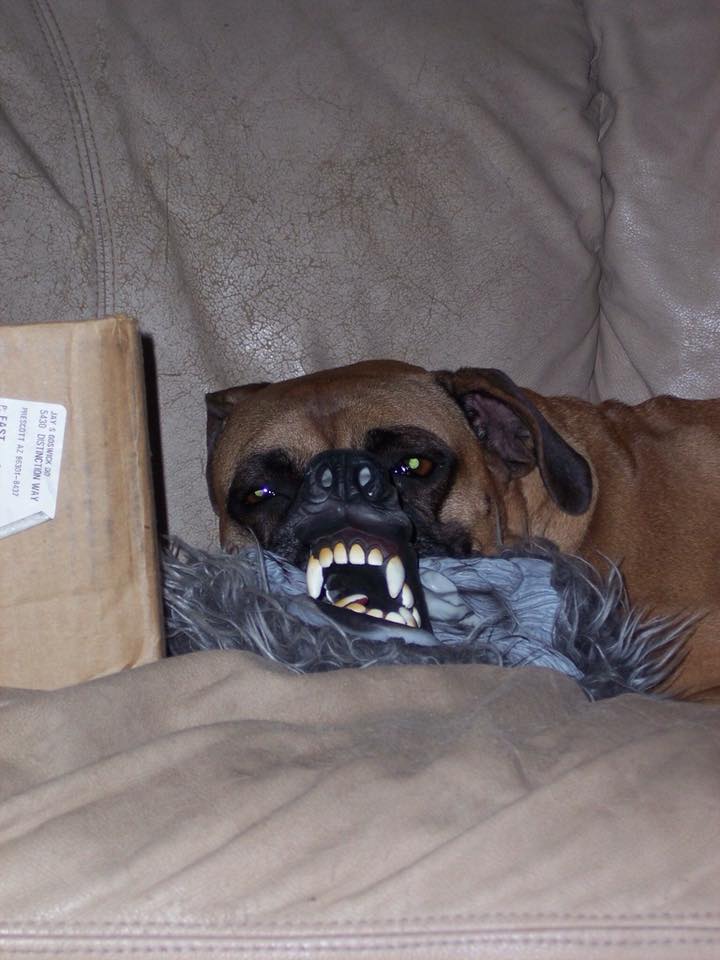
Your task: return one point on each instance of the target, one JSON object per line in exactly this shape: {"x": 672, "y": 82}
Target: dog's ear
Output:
{"x": 508, "y": 424}
{"x": 219, "y": 406}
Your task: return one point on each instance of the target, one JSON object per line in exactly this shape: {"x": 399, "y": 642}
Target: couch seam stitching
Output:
{"x": 87, "y": 153}
{"x": 359, "y": 922}
{"x": 595, "y": 88}
{"x": 416, "y": 943}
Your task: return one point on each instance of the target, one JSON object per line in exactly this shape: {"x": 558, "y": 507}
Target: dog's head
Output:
{"x": 354, "y": 472}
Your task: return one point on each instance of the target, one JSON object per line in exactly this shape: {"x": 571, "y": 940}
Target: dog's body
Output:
{"x": 467, "y": 462}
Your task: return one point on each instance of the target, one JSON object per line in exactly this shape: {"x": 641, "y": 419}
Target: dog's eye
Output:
{"x": 258, "y": 495}
{"x": 414, "y": 467}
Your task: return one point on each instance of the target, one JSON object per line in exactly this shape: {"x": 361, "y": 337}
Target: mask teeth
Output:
{"x": 394, "y": 576}
{"x": 314, "y": 577}
{"x": 355, "y": 554}
{"x": 358, "y": 598}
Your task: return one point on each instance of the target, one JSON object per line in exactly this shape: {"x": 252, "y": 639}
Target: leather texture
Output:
{"x": 272, "y": 188}
{"x": 660, "y": 286}
{"x": 420, "y": 811}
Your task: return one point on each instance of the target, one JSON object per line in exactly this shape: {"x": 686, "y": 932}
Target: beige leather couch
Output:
{"x": 272, "y": 187}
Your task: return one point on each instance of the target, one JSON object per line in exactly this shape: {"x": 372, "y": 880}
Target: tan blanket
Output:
{"x": 214, "y": 804}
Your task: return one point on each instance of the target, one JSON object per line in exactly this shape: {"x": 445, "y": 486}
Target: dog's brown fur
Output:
{"x": 655, "y": 499}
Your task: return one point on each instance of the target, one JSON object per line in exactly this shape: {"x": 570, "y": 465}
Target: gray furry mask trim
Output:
{"x": 530, "y": 606}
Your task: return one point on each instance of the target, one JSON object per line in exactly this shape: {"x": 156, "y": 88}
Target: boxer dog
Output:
{"x": 352, "y": 473}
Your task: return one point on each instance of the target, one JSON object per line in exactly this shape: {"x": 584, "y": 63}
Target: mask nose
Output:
{"x": 348, "y": 476}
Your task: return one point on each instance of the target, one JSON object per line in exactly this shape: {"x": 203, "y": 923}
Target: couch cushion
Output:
{"x": 659, "y": 87}
{"x": 214, "y": 803}
{"x": 272, "y": 188}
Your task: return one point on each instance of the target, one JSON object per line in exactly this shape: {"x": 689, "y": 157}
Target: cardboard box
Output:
{"x": 80, "y": 594}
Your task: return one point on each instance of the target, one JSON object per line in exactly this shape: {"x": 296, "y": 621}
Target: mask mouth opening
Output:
{"x": 358, "y": 574}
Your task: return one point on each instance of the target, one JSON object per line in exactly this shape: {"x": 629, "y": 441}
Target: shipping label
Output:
{"x": 31, "y": 442}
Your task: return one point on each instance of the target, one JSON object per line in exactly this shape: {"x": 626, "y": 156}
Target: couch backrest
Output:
{"x": 272, "y": 188}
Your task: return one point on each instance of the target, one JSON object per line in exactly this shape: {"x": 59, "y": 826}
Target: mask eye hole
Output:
{"x": 258, "y": 495}
{"x": 414, "y": 466}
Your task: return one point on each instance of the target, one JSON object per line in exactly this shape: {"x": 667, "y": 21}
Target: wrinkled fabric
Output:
{"x": 215, "y": 803}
